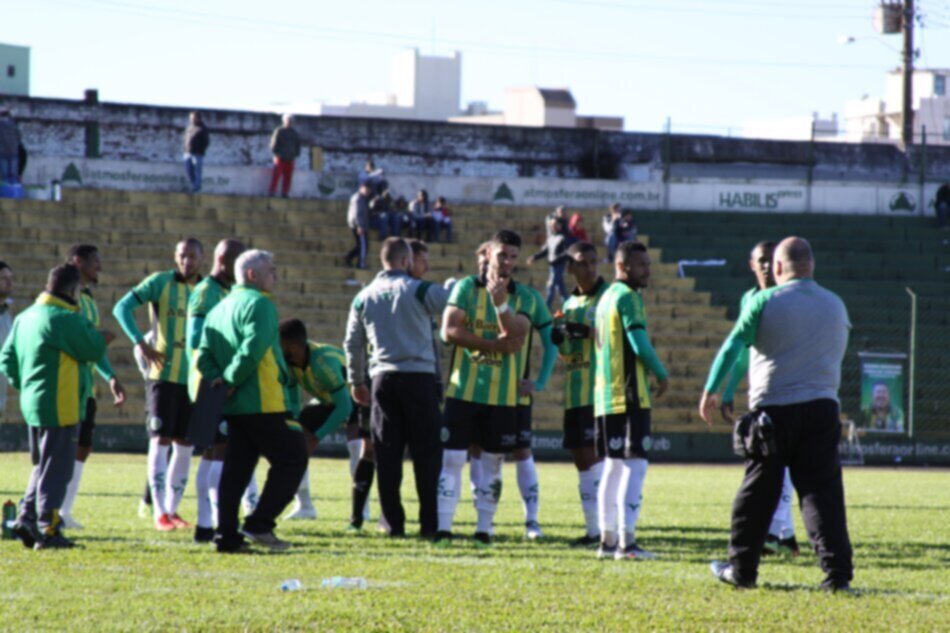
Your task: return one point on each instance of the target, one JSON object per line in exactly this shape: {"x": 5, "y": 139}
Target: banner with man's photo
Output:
{"x": 882, "y": 393}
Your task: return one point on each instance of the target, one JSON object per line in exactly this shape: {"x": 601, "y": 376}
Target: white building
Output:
{"x": 874, "y": 119}
{"x": 538, "y": 107}
{"x": 14, "y": 70}
{"x": 793, "y": 128}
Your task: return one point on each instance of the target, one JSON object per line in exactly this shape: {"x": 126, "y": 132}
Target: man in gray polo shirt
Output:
{"x": 798, "y": 332}
{"x": 391, "y": 319}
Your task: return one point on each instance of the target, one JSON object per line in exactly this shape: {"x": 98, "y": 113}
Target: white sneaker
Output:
{"x": 145, "y": 510}
{"x": 70, "y": 523}
{"x": 532, "y": 531}
{"x": 302, "y": 513}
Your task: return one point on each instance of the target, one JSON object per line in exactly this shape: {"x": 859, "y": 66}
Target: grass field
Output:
{"x": 127, "y": 576}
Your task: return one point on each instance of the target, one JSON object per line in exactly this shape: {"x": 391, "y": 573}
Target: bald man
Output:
{"x": 797, "y": 332}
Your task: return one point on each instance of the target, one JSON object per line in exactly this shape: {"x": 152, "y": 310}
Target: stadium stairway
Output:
{"x": 136, "y": 233}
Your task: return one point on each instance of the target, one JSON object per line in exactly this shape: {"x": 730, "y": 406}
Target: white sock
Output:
{"x": 449, "y": 487}
{"x": 528, "y": 485}
{"x": 489, "y": 490}
{"x": 202, "y": 483}
{"x": 630, "y": 495}
{"x": 72, "y": 490}
{"x": 783, "y": 521}
{"x": 589, "y": 481}
{"x": 250, "y": 493}
{"x": 214, "y": 487}
{"x": 607, "y": 495}
{"x": 303, "y": 491}
{"x": 355, "y": 449}
{"x": 177, "y": 476}
{"x": 474, "y": 475}
{"x": 157, "y": 469}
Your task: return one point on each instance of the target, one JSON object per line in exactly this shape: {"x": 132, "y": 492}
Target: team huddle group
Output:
{"x": 224, "y": 375}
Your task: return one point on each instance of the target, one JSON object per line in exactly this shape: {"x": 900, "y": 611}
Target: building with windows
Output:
{"x": 879, "y": 120}
{"x": 14, "y": 70}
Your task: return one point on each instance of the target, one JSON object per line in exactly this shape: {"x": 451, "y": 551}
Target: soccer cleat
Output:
{"x": 164, "y": 523}
{"x": 53, "y": 541}
{"x": 532, "y": 531}
{"x": 145, "y": 509}
{"x": 178, "y": 522}
{"x": 353, "y": 528}
{"x": 605, "y": 551}
{"x": 204, "y": 534}
{"x": 443, "y": 538}
{"x": 786, "y": 547}
{"x": 302, "y": 513}
{"x": 234, "y": 547}
{"x": 586, "y": 541}
{"x": 268, "y": 540}
{"x": 482, "y": 540}
{"x": 834, "y": 587}
{"x": 633, "y": 552}
{"x": 27, "y": 533}
{"x": 724, "y": 572}
{"x": 70, "y": 523}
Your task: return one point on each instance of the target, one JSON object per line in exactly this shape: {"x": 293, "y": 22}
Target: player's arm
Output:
{"x": 455, "y": 332}
{"x": 9, "y": 365}
{"x": 124, "y": 312}
{"x": 548, "y": 358}
{"x": 354, "y": 345}
{"x": 329, "y": 373}
{"x": 739, "y": 370}
{"x": 434, "y": 297}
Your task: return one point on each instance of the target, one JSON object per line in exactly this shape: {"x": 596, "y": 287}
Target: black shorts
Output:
{"x": 579, "y": 428}
{"x": 221, "y": 434}
{"x": 88, "y": 424}
{"x": 168, "y": 410}
{"x": 524, "y": 427}
{"x": 624, "y": 435}
{"x": 493, "y": 428}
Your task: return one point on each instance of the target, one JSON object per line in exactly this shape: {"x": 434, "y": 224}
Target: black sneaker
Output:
{"x": 634, "y": 552}
{"x": 443, "y": 538}
{"x": 27, "y": 533}
{"x": 204, "y": 534}
{"x": 586, "y": 541}
{"x": 789, "y": 546}
{"x": 780, "y": 547}
{"x": 724, "y": 572}
{"x": 482, "y": 540}
{"x": 231, "y": 545}
{"x": 53, "y": 541}
{"x": 605, "y": 551}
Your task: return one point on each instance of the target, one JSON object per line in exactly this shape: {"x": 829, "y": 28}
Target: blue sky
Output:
{"x": 709, "y": 65}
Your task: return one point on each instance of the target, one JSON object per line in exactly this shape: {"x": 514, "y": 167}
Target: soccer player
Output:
{"x": 240, "y": 350}
{"x": 320, "y": 370}
{"x": 207, "y": 294}
{"x": 484, "y": 321}
{"x": 781, "y": 538}
{"x": 166, "y": 293}
{"x": 577, "y": 349}
{"x": 86, "y": 258}
{"x": 44, "y": 358}
{"x": 527, "y": 475}
{"x": 625, "y": 358}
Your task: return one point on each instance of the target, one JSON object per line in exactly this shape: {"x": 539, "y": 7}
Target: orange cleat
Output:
{"x": 178, "y": 522}
{"x": 164, "y": 523}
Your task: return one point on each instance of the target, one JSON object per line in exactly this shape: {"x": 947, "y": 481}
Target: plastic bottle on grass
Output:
{"x": 342, "y": 582}
{"x": 291, "y": 585}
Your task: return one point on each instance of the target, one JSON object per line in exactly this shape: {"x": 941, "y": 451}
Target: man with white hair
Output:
{"x": 285, "y": 147}
{"x": 240, "y": 351}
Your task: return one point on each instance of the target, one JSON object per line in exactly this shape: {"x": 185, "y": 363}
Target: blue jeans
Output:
{"x": 193, "y": 169}
{"x": 943, "y": 210}
{"x": 8, "y": 169}
{"x": 556, "y": 283}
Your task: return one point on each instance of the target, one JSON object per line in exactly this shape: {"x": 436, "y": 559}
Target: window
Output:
{"x": 940, "y": 85}
{"x": 11, "y": 71}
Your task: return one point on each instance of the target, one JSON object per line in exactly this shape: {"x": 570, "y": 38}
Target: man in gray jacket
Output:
{"x": 357, "y": 218}
{"x": 392, "y": 320}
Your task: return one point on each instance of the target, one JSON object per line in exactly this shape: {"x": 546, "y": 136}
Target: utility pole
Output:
{"x": 907, "y": 133}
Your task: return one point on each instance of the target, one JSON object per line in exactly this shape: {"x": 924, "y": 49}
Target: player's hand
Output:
{"x": 151, "y": 355}
{"x": 661, "y": 387}
{"x": 360, "y": 394}
{"x": 498, "y": 290}
{"x": 727, "y": 411}
{"x": 118, "y": 392}
{"x": 107, "y": 335}
{"x": 707, "y": 405}
{"x": 508, "y": 344}
{"x": 525, "y": 387}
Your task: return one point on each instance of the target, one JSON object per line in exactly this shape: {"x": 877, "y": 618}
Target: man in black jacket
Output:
{"x": 196, "y": 144}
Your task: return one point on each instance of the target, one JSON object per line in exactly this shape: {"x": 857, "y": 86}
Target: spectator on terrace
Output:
{"x": 285, "y": 147}
{"x": 374, "y": 177}
{"x": 9, "y": 148}
{"x": 357, "y": 218}
{"x": 381, "y": 214}
{"x": 576, "y": 228}
{"x": 611, "y": 225}
{"x": 197, "y": 140}
{"x": 421, "y": 216}
{"x": 400, "y": 217}
{"x": 441, "y": 219}
{"x": 942, "y": 205}
{"x": 554, "y": 250}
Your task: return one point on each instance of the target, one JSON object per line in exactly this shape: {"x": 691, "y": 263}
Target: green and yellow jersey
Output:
{"x": 475, "y": 376}
{"x": 578, "y": 353}
{"x": 325, "y": 371}
{"x": 166, "y": 294}
{"x": 540, "y": 317}
{"x": 89, "y": 309}
{"x": 621, "y": 376}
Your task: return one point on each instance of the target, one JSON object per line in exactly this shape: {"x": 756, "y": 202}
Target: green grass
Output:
{"x": 127, "y": 576}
